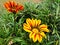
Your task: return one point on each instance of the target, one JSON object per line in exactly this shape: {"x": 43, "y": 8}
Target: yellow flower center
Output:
{"x": 35, "y": 30}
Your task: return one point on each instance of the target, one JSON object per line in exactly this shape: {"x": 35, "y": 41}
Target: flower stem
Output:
{"x": 14, "y": 28}
{"x": 14, "y": 24}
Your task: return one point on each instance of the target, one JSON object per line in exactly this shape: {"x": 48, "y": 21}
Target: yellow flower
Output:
{"x": 35, "y": 29}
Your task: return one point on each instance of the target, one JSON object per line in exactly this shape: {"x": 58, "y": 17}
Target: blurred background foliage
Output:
{"x": 47, "y": 10}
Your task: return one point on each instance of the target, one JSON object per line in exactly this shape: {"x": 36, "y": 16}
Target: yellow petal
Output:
{"x": 43, "y": 26}
{"x": 27, "y": 30}
{"x": 36, "y": 22}
{"x": 43, "y": 34}
{"x": 29, "y": 21}
{"x": 39, "y": 38}
{"x": 30, "y": 35}
{"x": 26, "y": 27}
{"x": 39, "y": 22}
{"x": 33, "y": 23}
{"x": 34, "y": 37}
{"x": 44, "y": 29}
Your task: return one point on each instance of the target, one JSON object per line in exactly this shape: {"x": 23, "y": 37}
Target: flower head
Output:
{"x": 36, "y": 29}
{"x": 13, "y": 7}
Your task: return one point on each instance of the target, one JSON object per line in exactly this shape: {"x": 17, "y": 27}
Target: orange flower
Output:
{"x": 13, "y": 7}
{"x": 36, "y": 29}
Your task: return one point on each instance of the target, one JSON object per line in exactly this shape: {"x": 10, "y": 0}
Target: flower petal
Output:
{"x": 39, "y": 22}
{"x": 21, "y": 7}
{"x": 6, "y": 5}
{"x": 34, "y": 37}
{"x": 44, "y": 29}
{"x": 26, "y": 27}
{"x": 36, "y": 22}
{"x": 30, "y": 35}
{"x": 26, "y": 30}
{"x": 39, "y": 38}
{"x": 33, "y": 23}
{"x": 43, "y": 34}
{"x": 28, "y": 21}
{"x": 12, "y": 4}
{"x": 43, "y": 26}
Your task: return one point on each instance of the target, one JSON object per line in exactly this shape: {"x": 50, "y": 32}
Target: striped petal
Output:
{"x": 33, "y": 23}
{"x": 12, "y": 4}
{"x": 44, "y": 29}
{"x": 26, "y": 27}
{"x": 30, "y": 35}
{"x": 21, "y": 7}
{"x": 39, "y": 22}
{"x": 43, "y": 34}
{"x": 36, "y": 22}
{"x": 39, "y": 38}
{"x": 28, "y": 21}
{"x": 34, "y": 37}
{"x": 43, "y": 26}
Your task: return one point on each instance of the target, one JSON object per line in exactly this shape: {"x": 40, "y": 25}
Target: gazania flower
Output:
{"x": 36, "y": 29}
{"x": 13, "y": 7}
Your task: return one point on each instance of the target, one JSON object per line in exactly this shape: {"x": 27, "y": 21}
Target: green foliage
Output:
{"x": 48, "y": 11}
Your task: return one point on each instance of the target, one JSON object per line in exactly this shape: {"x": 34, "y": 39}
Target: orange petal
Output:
{"x": 9, "y": 9}
{"x": 11, "y": 3}
{"x": 6, "y": 5}
{"x": 14, "y": 4}
{"x": 16, "y": 11}
{"x": 17, "y": 7}
{"x": 21, "y": 7}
